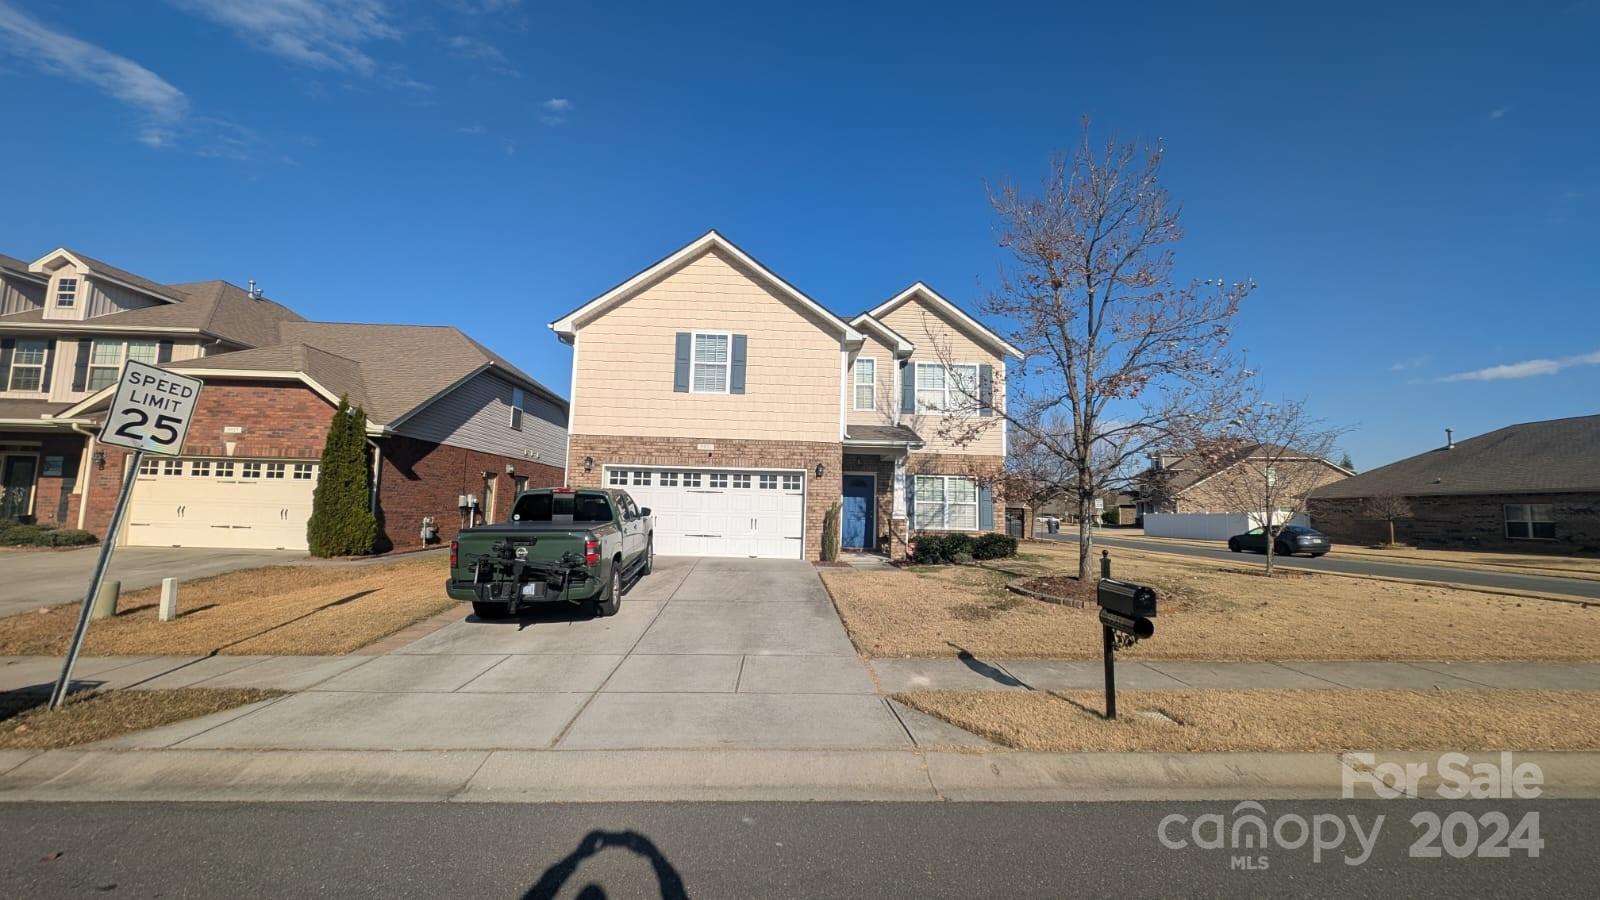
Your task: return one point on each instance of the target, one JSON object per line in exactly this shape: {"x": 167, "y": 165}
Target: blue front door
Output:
{"x": 855, "y": 532}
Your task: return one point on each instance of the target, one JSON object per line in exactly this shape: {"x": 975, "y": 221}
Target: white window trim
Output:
{"x": 856, "y": 385}
{"x": 945, "y": 503}
{"x": 949, "y": 380}
{"x": 122, "y": 359}
{"x": 727, "y": 364}
{"x": 77, "y": 286}
{"x": 516, "y": 409}
{"x": 46, "y": 362}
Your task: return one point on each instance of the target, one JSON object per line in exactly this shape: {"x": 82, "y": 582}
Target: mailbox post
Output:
{"x": 1125, "y": 613}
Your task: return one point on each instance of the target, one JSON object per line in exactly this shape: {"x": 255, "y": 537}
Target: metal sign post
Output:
{"x": 150, "y": 412}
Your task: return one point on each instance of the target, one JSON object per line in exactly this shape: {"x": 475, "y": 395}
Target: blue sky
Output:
{"x": 1416, "y": 189}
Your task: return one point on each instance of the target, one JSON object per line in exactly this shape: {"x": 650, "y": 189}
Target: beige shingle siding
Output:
{"x": 885, "y": 400}
{"x": 923, "y": 325}
{"x": 626, "y": 362}
{"x": 102, "y": 298}
{"x": 477, "y": 416}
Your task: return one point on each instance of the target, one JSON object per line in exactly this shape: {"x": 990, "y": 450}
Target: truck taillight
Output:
{"x": 591, "y": 551}
{"x": 455, "y": 553}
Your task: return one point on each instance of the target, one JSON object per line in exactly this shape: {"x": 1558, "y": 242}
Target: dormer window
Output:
{"x": 66, "y": 293}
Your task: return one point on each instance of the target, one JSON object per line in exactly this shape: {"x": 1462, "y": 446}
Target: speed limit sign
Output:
{"x": 151, "y": 410}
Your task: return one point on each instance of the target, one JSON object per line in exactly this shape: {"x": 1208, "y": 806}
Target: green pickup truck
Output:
{"x": 562, "y": 545}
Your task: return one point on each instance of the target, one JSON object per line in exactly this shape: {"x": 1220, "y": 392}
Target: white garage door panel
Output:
{"x": 708, "y": 520}
{"x": 179, "y": 504}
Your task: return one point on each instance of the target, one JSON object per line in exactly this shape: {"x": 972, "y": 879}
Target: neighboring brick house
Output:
{"x": 1188, "y": 483}
{"x": 1533, "y": 487}
{"x": 448, "y": 419}
{"x": 740, "y": 410}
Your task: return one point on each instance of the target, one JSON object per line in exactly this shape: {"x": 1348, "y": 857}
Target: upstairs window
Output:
{"x": 106, "y": 358}
{"x": 941, "y": 388}
{"x": 27, "y": 366}
{"x": 516, "y": 409}
{"x": 66, "y": 293}
{"x": 711, "y": 363}
{"x": 866, "y": 382}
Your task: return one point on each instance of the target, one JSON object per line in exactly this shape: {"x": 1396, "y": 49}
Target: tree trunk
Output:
{"x": 1085, "y": 539}
{"x": 1391, "y": 532}
{"x": 1272, "y": 544}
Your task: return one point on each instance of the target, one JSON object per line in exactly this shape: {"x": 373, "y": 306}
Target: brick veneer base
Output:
{"x": 1464, "y": 522}
{"x": 420, "y": 478}
{"x": 821, "y": 493}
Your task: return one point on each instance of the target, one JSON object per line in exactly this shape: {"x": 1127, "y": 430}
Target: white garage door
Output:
{"x": 240, "y": 503}
{"x": 720, "y": 512}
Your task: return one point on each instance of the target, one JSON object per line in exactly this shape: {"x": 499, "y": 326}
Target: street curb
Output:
{"x": 538, "y": 776}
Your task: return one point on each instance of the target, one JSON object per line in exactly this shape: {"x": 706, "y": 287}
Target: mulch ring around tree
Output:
{"x": 1063, "y": 589}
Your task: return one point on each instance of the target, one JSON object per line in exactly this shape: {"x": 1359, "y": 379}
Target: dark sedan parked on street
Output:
{"x": 1288, "y": 540}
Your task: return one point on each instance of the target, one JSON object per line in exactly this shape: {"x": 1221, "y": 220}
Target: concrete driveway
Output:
{"x": 704, "y": 653}
{"x": 35, "y": 578}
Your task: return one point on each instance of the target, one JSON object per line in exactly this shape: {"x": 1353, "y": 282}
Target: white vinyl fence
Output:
{"x": 1210, "y": 526}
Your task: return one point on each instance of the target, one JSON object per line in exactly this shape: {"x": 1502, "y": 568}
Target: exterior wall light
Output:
{"x": 588, "y": 464}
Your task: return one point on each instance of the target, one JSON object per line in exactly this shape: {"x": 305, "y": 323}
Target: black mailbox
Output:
{"x": 1135, "y": 601}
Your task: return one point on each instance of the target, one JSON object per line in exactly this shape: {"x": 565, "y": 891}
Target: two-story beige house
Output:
{"x": 740, "y": 410}
{"x": 455, "y": 430}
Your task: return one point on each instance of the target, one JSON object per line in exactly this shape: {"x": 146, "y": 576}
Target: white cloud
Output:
{"x": 1499, "y": 112}
{"x": 481, "y": 51}
{"x": 318, "y": 34}
{"x": 1528, "y": 368}
{"x": 556, "y": 110}
{"x": 472, "y": 129}
{"x": 558, "y": 105}
{"x": 57, "y": 53}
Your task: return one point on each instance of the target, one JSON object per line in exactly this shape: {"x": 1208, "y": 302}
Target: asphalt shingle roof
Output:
{"x": 29, "y": 409}
{"x": 388, "y": 369}
{"x": 214, "y": 307}
{"x": 880, "y": 434}
{"x": 1534, "y": 457}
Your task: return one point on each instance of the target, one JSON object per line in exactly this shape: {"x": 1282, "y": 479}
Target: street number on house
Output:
{"x": 151, "y": 410}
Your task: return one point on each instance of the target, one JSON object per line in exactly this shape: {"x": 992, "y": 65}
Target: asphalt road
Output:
{"x": 744, "y": 850}
{"x": 1508, "y": 581}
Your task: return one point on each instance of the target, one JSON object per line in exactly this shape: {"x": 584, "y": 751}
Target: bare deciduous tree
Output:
{"x": 1388, "y": 508}
{"x": 1118, "y": 358}
{"x": 1265, "y": 460}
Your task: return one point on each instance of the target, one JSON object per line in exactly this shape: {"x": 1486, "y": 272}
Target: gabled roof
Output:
{"x": 568, "y": 325}
{"x": 972, "y": 326}
{"x": 1555, "y": 455}
{"x": 108, "y": 272}
{"x": 392, "y": 371}
{"x": 1190, "y": 470}
{"x": 12, "y": 267}
{"x": 902, "y": 346}
{"x": 216, "y": 308}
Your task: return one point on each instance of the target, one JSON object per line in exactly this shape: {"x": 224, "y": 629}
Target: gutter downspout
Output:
{"x": 85, "y": 465}
{"x": 377, "y": 473}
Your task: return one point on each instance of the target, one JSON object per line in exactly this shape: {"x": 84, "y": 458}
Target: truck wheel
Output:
{"x": 649, "y": 557}
{"x": 611, "y": 601}
{"x": 489, "y": 610}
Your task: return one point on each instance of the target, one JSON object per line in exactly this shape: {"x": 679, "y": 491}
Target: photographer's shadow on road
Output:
{"x": 668, "y": 881}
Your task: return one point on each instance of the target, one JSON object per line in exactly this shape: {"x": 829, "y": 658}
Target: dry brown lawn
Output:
{"x": 1296, "y": 721}
{"x": 27, "y": 724}
{"x": 1208, "y": 612}
{"x": 275, "y": 611}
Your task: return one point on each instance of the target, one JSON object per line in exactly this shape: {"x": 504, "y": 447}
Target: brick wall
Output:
{"x": 421, "y": 478}
{"x": 821, "y": 493}
{"x": 1465, "y": 522}
{"x": 987, "y": 469}
{"x": 277, "y": 420}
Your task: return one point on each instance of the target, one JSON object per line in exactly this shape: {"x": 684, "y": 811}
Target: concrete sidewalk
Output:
{"x": 973, "y": 674}
{"x": 664, "y": 775}
{"x": 655, "y": 674}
